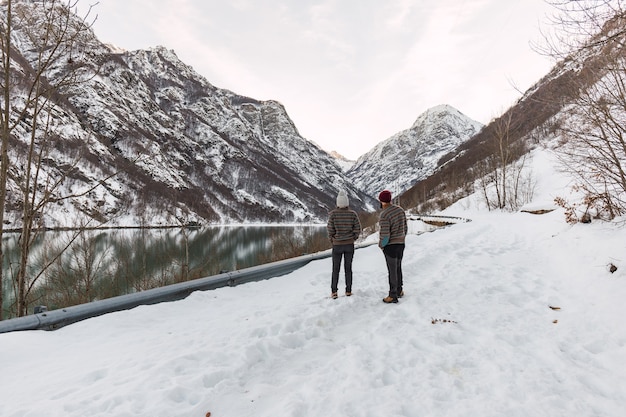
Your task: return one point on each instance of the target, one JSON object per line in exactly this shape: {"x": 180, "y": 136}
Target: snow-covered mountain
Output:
{"x": 576, "y": 84}
{"x": 413, "y": 154}
{"x": 343, "y": 162}
{"x": 169, "y": 147}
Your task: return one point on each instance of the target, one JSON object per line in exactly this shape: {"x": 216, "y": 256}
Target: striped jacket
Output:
{"x": 343, "y": 226}
{"x": 393, "y": 226}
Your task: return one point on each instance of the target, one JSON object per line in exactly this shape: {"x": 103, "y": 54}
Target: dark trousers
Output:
{"x": 347, "y": 252}
{"x": 393, "y": 257}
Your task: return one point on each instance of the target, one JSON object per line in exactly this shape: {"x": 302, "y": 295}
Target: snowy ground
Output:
{"x": 474, "y": 336}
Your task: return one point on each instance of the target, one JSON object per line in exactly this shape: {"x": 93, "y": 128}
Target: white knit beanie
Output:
{"x": 342, "y": 199}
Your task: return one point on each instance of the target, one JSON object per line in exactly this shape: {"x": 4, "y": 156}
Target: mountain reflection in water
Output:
{"x": 101, "y": 264}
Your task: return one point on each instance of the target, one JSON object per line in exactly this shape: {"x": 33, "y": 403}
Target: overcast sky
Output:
{"x": 350, "y": 73}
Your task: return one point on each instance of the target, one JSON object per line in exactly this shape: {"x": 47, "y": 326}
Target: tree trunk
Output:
{"x": 4, "y": 157}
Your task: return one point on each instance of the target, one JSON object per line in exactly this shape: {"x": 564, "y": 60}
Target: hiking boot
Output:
{"x": 348, "y": 293}
{"x": 390, "y": 300}
{"x": 401, "y": 294}
{"x": 333, "y": 295}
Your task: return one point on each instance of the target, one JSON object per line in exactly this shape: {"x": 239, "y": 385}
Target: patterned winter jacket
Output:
{"x": 393, "y": 226}
{"x": 343, "y": 226}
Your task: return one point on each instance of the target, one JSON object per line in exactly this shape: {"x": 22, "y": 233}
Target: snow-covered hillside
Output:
{"x": 161, "y": 145}
{"x": 342, "y": 161}
{"x": 511, "y": 314}
{"x": 412, "y": 154}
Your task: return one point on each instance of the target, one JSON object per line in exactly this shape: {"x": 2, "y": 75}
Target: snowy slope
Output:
{"x": 412, "y": 154}
{"x": 474, "y": 335}
{"x": 342, "y": 161}
{"x": 168, "y": 147}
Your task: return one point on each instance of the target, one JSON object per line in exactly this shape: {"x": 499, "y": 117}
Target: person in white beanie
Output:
{"x": 343, "y": 229}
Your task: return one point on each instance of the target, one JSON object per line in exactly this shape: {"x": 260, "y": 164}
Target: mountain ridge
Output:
{"x": 413, "y": 154}
{"x": 151, "y": 142}
{"x": 157, "y": 144}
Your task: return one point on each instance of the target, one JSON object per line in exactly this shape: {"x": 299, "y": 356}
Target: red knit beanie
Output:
{"x": 385, "y": 196}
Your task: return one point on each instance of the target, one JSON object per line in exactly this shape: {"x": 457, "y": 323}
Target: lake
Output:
{"x": 99, "y": 264}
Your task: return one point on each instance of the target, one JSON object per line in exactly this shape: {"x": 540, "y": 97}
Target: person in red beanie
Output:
{"x": 393, "y": 229}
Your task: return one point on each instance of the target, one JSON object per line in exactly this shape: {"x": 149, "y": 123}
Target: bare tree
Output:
{"x": 5, "y": 44}
{"x": 82, "y": 264}
{"x": 594, "y": 148}
{"x": 593, "y": 128}
{"x": 503, "y": 177}
{"x": 576, "y": 25}
{"x": 34, "y": 83}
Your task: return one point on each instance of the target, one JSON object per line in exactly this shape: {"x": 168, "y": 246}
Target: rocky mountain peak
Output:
{"x": 343, "y": 162}
{"x": 412, "y": 154}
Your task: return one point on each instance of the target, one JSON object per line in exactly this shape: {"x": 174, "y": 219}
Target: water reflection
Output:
{"x": 65, "y": 269}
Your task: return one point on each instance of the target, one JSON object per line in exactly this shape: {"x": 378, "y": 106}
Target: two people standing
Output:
{"x": 343, "y": 230}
